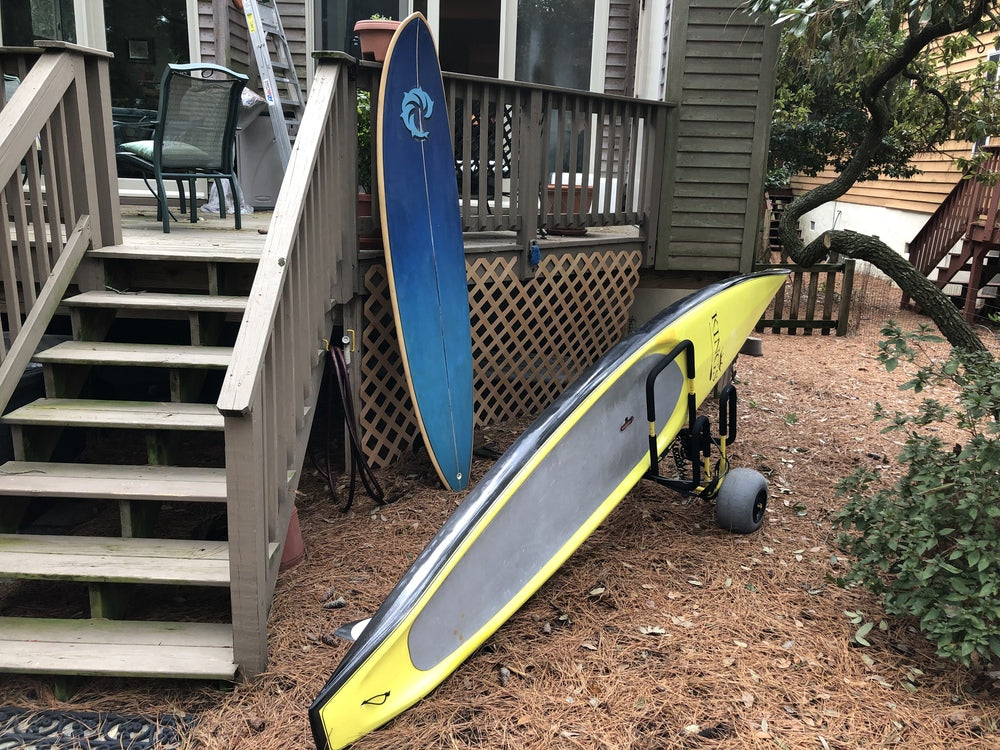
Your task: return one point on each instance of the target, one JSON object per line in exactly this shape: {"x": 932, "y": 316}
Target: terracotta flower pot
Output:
{"x": 375, "y": 36}
{"x": 580, "y": 203}
{"x": 364, "y": 204}
{"x": 575, "y": 199}
{"x": 294, "y": 550}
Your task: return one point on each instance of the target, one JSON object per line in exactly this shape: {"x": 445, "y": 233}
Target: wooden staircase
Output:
{"x": 959, "y": 246}
{"x": 128, "y": 438}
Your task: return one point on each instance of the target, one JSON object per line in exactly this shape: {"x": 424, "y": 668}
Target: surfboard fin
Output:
{"x": 350, "y": 631}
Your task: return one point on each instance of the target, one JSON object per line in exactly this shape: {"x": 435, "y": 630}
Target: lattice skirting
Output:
{"x": 530, "y": 339}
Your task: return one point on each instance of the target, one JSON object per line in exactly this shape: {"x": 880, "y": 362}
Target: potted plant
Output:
{"x": 364, "y": 148}
{"x": 570, "y": 197}
{"x": 366, "y": 240}
{"x": 375, "y": 34}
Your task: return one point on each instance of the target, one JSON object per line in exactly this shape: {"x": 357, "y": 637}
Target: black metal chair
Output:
{"x": 194, "y": 135}
{"x": 132, "y": 124}
{"x": 10, "y": 86}
{"x": 476, "y": 161}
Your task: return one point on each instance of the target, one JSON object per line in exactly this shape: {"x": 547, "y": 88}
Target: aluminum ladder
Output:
{"x": 277, "y": 73}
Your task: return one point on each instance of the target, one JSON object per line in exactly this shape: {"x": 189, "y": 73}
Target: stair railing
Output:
{"x": 964, "y": 205}
{"x": 57, "y": 172}
{"x": 307, "y": 267}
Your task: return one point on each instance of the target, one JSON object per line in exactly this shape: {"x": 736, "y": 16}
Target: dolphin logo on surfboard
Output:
{"x": 417, "y": 107}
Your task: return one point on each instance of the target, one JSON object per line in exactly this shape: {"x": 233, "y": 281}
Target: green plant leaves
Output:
{"x": 929, "y": 541}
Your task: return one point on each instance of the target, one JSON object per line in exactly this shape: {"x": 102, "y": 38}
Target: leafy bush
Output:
{"x": 929, "y": 545}
{"x": 364, "y": 141}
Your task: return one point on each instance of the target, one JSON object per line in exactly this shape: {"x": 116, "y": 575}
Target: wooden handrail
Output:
{"x": 964, "y": 205}
{"x": 56, "y": 168}
{"x": 271, "y": 385}
{"x": 23, "y": 346}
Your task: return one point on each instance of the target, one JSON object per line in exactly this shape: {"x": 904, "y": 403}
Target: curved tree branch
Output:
{"x": 952, "y": 325}
{"x": 921, "y": 84}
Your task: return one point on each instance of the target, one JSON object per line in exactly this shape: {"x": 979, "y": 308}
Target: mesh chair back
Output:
{"x": 10, "y": 84}
{"x": 199, "y": 105}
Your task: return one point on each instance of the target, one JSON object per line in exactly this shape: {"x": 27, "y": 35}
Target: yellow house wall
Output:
{"x": 922, "y": 193}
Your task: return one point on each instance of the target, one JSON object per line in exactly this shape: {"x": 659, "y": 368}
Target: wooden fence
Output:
{"x": 813, "y": 299}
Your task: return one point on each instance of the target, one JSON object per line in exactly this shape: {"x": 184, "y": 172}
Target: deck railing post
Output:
{"x": 652, "y": 176}
{"x": 533, "y": 121}
{"x": 248, "y": 537}
{"x": 105, "y": 172}
{"x": 846, "y": 291}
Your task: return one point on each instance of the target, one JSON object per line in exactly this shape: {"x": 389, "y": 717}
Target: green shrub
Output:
{"x": 929, "y": 544}
{"x": 364, "y": 141}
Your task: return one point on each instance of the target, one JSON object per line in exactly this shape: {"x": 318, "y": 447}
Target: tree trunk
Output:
{"x": 932, "y": 301}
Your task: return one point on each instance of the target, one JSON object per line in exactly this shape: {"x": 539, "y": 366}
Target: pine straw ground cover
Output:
{"x": 661, "y": 631}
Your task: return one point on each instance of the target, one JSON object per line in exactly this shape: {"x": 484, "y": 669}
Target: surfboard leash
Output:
{"x": 338, "y": 378}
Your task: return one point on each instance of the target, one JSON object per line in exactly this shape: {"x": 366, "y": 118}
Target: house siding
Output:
{"x": 623, "y": 33}
{"x": 220, "y": 19}
{"x": 720, "y": 71}
{"x": 923, "y": 192}
{"x": 293, "y": 18}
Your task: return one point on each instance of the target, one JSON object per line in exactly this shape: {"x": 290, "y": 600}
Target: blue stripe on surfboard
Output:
{"x": 424, "y": 249}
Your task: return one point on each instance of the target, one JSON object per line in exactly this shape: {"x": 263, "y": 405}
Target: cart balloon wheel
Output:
{"x": 741, "y": 502}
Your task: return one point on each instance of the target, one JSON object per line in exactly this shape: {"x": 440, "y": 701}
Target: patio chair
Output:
{"x": 132, "y": 124}
{"x": 476, "y": 161}
{"x": 194, "y": 135}
{"x": 10, "y": 86}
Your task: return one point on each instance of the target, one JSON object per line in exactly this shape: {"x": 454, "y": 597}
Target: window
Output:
{"x": 143, "y": 44}
{"x": 555, "y": 42}
{"x": 24, "y": 21}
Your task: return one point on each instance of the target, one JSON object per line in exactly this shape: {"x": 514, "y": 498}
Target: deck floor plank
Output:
{"x": 159, "y": 301}
{"x": 117, "y": 647}
{"x": 114, "y": 559}
{"x": 155, "y": 415}
{"x": 105, "y": 481}
{"x": 152, "y": 355}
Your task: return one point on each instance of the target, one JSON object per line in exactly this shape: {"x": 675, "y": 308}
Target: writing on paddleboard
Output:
{"x": 417, "y": 107}
{"x": 718, "y": 365}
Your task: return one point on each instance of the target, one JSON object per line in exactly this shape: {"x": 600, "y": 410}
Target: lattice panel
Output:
{"x": 388, "y": 424}
{"x": 529, "y": 339}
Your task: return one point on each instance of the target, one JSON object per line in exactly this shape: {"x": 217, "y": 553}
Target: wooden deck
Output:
{"x": 154, "y": 318}
{"x": 141, "y": 229}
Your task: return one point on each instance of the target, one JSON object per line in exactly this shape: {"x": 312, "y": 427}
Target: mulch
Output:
{"x": 660, "y": 632}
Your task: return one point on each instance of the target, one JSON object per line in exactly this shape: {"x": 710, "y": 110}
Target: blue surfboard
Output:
{"x": 424, "y": 253}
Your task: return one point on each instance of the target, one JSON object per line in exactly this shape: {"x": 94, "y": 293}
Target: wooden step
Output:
{"x": 164, "y": 251}
{"x": 159, "y": 301}
{"x": 186, "y": 650}
{"x": 102, "y": 481}
{"x": 150, "y": 415}
{"x": 114, "y": 559}
{"x": 149, "y": 355}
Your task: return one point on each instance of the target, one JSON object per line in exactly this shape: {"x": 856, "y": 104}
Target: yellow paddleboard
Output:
{"x": 538, "y": 503}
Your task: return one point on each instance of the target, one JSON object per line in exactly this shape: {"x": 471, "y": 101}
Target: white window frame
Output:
{"x": 599, "y": 50}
